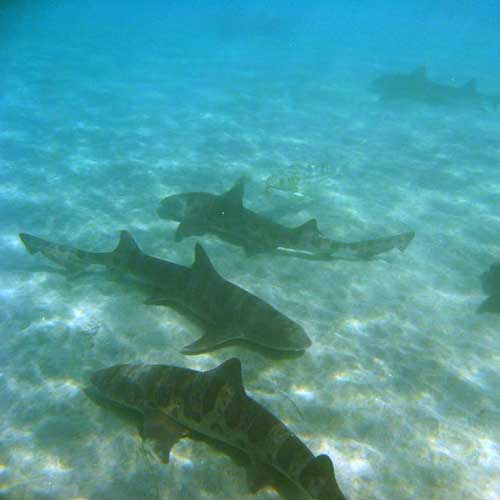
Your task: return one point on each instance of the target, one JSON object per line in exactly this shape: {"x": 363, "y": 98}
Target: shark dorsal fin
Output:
{"x": 309, "y": 227}
{"x": 470, "y": 87}
{"x": 202, "y": 263}
{"x": 235, "y": 194}
{"x": 230, "y": 371}
{"x": 127, "y": 243}
{"x": 420, "y": 73}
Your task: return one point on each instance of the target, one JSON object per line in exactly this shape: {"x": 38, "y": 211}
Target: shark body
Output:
{"x": 416, "y": 86}
{"x": 491, "y": 285}
{"x": 226, "y": 312}
{"x": 175, "y": 401}
{"x": 225, "y": 216}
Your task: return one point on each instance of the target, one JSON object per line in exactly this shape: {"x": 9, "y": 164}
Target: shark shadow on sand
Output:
{"x": 491, "y": 285}
{"x": 173, "y": 402}
{"x": 226, "y": 312}
{"x": 417, "y": 87}
{"x": 225, "y": 217}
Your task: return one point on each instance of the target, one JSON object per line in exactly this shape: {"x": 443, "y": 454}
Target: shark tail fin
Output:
{"x": 127, "y": 244}
{"x": 32, "y": 243}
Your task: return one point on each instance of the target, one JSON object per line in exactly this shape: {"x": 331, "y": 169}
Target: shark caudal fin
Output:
{"x": 32, "y": 243}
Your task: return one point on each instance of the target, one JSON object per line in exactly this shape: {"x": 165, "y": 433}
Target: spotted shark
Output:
{"x": 175, "y": 402}
{"x": 416, "y": 86}
{"x": 491, "y": 285}
{"x": 225, "y": 216}
{"x": 227, "y": 313}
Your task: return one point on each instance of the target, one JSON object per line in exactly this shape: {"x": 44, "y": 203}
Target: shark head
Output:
{"x": 113, "y": 385}
{"x": 175, "y": 207}
{"x": 398, "y": 86}
{"x": 136, "y": 386}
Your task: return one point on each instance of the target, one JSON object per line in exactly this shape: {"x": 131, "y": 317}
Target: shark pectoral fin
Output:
{"x": 258, "y": 476}
{"x": 188, "y": 228}
{"x": 210, "y": 340}
{"x": 163, "y": 432}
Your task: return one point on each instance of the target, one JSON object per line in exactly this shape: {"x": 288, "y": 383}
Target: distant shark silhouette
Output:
{"x": 225, "y": 216}
{"x": 175, "y": 402}
{"x": 491, "y": 285}
{"x": 416, "y": 86}
{"x": 226, "y": 312}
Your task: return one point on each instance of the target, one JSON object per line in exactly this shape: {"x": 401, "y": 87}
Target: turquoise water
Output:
{"x": 106, "y": 110}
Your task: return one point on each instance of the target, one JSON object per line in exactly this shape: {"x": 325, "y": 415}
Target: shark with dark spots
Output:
{"x": 224, "y": 216}
{"x": 491, "y": 285}
{"x": 416, "y": 86}
{"x": 227, "y": 313}
{"x": 175, "y": 402}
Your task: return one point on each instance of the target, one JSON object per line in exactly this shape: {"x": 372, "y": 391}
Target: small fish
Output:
{"x": 175, "y": 402}
{"x": 288, "y": 183}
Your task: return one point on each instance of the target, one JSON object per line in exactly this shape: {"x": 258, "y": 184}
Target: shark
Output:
{"x": 226, "y": 312}
{"x": 175, "y": 402}
{"x": 225, "y": 216}
{"x": 416, "y": 86}
{"x": 491, "y": 286}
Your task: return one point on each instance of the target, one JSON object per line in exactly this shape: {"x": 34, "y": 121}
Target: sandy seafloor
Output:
{"x": 401, "y": 385}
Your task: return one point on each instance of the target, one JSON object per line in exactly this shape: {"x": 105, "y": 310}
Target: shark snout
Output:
{"x": 172, "y": 208}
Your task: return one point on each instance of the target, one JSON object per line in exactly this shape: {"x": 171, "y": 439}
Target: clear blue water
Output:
{"x": 104, "y": 110}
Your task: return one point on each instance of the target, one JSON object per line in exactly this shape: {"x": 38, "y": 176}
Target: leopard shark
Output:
{"x": 227, "y": 313}
{"x": 225, "y": 216}
{"x": 491, "y": 285}
{"x": 175, "y": 402}
{"x": 416, "y": 86}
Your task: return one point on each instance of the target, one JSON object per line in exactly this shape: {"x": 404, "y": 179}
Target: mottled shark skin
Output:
{"x": 175, "y": 401}
{"x": 491, "y": 285}
{"x": 225, "y": 311}
{"x": 416, "y": 86}
{"x": 225, "y": 217}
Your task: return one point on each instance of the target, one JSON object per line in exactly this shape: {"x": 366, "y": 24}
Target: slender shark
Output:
{"x": 491, "y": 285}
{"x": 416, "y": 86}
{"x": 226, "y": 312}
{"x": 224, "y": 215}
{"x": 174, "y": 402}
